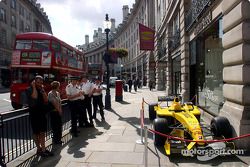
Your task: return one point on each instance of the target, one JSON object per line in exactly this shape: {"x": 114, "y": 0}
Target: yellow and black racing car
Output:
{"x": 182, "y": 120}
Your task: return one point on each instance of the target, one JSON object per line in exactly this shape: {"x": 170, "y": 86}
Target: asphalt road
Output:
{"x": 5, "y": 103}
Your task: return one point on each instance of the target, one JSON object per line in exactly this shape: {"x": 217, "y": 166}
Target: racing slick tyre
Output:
{"x": 151, "y": 111}
{"x": 160, "y": 125}
{"x": 220, "y": 126}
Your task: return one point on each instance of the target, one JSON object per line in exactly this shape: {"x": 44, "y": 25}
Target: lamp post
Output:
{"x": 121, "y": 70}
{"x": 107, "y": 26}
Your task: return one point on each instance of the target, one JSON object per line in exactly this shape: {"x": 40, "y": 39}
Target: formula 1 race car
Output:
{"x": 183, "y": 121}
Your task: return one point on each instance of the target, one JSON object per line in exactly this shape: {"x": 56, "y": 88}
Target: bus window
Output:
{"x": 55, "y": 46}
{"x": 23, "y": 44}
{"x": 19, "y": 75}
{"x": 41, "y": 44}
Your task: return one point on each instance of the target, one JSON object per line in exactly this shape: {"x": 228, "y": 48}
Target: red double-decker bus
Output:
{"x": 37, "y": 53}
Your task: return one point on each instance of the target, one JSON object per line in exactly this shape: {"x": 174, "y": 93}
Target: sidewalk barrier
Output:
{"x": 146, "y": 146}
{"x": 141, "y": 123}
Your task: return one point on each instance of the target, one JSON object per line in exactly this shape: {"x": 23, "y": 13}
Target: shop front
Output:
{"x": 206, "y": 68}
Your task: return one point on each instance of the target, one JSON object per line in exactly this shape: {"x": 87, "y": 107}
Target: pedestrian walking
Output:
{"x": 75, "y": 97}
{"x": 37, "y": 102}
{"x": 97, "y": 98}
{"x": 56, "y": 112}
{"x": 150, "y": 84}
{"x": 130, "y": 83}
{"x": 135, "y": 85}
{"x": 86, "y": 86}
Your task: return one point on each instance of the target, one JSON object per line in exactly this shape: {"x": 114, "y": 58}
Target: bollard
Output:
{"x": 146, "y": 146}
{"x": 141, "y": 128}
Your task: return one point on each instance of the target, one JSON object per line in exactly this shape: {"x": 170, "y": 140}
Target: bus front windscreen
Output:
{"x": 26, "y": 75}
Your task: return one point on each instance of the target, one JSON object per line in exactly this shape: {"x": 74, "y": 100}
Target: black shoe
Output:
{"x": 48, "y": 153}
{"x": 58, "y": 142}
{"x": 45, "y": 153}
{"x": 78, "y": 131}
{"x": 89, "y": 125}
{"x": 75, "y": 134}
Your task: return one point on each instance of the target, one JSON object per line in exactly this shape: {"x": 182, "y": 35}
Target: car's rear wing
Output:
{"x": 168, "y": 98}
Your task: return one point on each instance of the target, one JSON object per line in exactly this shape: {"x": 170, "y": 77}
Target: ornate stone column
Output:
{"x": 184, "y": 55}
{"x": 236, "y": 60}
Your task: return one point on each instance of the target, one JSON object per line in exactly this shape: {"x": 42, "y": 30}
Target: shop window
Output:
{"x": 176, "y": 78}
{"x": 210, "y": 73}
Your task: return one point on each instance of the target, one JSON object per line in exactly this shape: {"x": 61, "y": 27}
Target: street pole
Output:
{"x": 107, "y": 96}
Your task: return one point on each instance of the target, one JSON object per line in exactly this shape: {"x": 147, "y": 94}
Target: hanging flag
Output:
{"x": 146, "y": 37}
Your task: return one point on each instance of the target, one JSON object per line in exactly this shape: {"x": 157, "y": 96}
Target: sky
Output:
{"x": 71, "y": 20}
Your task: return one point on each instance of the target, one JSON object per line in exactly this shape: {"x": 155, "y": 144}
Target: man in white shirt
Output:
{"x": 86, "y": 87}
{"x": 74, "y": 95}
{"x": 97, "y": 98}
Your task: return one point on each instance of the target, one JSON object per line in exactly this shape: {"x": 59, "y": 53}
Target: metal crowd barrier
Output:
{"x": 16, "y": 134}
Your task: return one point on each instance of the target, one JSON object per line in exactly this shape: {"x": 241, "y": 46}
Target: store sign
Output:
{"x": 205, "y": 21}
{"x": 31, "y": 58}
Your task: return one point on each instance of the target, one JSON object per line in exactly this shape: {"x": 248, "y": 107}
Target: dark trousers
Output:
{"x": 88, "y": 107}
{"x": 75, "y": 108}
{"x": 97, "y": 102}
{"x": 56, "y": 126}
{"x": 83, "y": 120}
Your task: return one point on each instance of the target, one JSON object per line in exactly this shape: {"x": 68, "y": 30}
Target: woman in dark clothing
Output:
{"x": 38, "y": 99}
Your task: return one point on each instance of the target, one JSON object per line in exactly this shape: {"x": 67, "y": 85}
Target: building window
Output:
{"x": 2, "y": 15}
{"x": 210, "y": 70}
{"x": 13, "y": 21}
{"x": 13, "y": 4}
{"x": 21, "y": 26}
{"x": 3, "y": 37}
{"x": 21, "y": 10}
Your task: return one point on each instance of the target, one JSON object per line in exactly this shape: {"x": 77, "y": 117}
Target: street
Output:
{"x": 115, "y": 141}
{"x": 5, "y": 103}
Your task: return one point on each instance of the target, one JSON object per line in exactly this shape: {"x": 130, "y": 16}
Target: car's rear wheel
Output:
{"x": 220, "y": 126}
{"x": 151, "y": 111}
{"x": 160, "y": 125}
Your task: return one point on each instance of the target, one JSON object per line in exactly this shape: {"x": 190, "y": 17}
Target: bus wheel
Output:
{"x": 16, "y": 105}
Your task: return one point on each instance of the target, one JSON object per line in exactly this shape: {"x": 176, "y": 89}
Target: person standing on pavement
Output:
{"x": 86, "y": 87}
{"x": 97, "y": 98}
{"x": 56, "y": 112}
{"x": 135, "y": 84}
{"x": 75, "y": 96}
{"x": 37, "y": 102}
{"x": 130, "y": 83}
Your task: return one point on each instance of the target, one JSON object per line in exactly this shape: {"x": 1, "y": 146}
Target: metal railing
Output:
{"x": 16, "y": 133}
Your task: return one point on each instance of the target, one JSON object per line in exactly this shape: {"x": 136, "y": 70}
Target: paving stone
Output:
{"x": 130, "y": 158}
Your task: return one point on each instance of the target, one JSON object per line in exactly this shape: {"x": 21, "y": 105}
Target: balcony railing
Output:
{"x": 196, "y": 9}
{"x": 16, "y": 134}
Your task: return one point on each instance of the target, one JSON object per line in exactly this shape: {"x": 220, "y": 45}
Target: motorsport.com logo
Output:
{"x": 208, "y": 154}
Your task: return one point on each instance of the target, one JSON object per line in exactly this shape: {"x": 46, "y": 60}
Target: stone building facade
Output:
{"x": 18, "y": 16}
{"x": 203, "y": 46}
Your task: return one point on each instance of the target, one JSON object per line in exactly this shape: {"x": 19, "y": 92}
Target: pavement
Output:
{"x": 117, "y": 142}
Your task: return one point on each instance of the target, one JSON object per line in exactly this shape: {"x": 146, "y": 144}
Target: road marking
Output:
{"x": 7, "y": 100}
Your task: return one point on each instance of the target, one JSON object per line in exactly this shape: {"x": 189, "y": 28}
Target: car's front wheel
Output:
{"x": 160, "y": 125}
